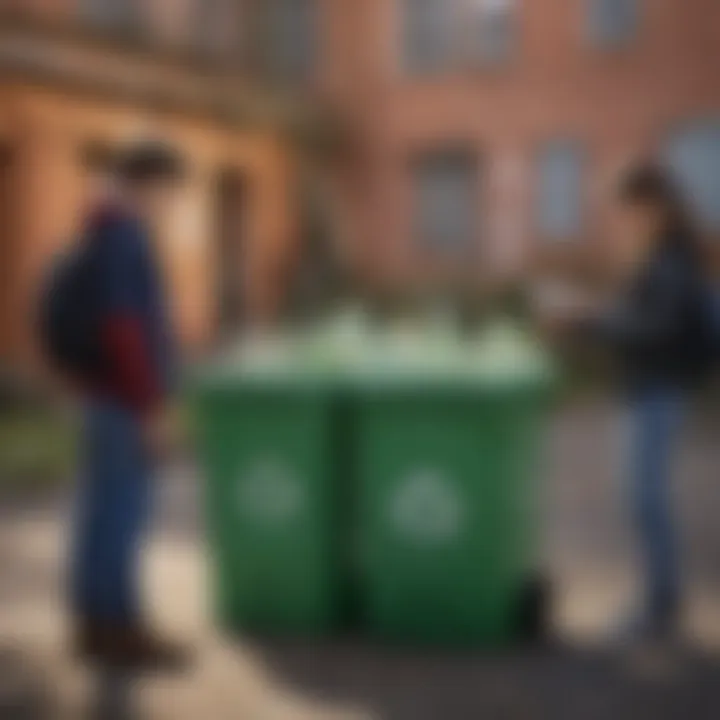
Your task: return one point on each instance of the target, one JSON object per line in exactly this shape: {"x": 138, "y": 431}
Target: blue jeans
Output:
{"x": 111, "y": 517}
{"x": 656, "y": 416}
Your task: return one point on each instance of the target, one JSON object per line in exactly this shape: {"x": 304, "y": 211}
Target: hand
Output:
{"x": 555, "y": 326}
{"x": 569, "y": 322}
{"x": 561, "y": 305}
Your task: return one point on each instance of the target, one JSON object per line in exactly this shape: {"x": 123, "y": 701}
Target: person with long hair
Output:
{"x": 661, "y": 332}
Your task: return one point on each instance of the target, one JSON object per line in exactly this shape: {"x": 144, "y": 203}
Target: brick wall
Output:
{"x": 619, "y": 103}
{"x": 48, "y": 126}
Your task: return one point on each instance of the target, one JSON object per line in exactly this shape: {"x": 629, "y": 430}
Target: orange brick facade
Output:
{"x": 49, "y": 123}
{"x": 617, "y": 103}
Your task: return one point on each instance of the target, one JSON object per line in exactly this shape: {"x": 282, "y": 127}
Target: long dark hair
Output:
{"x": 652, "y": 184}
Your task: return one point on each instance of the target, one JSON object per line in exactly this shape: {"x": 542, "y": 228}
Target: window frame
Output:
{"x": 509, "y": 15}
{"x": 450, "y": 55}
{"x": 418, "y": 169}
{"x": 277, "y": 66}
{"x": 604, "y": 37}
{"x": 579, "y": 152}
{"x": 683, "y": 130}
{"x": 128, "y": 16}
{"x": 205, "y": 31}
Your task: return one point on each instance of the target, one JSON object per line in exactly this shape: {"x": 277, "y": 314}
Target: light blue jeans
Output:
{"x": 112, "y": 511}
{"x": 655, "y": 419}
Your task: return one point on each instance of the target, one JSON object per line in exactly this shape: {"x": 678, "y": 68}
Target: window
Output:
{"x": 217, "y": 27}
{"x": 445, "y": 199}
{"x": 613, "y": 22}
{"x": 560, "y": 190}
{"x": 427, "y": 34}
{"x": 111, "y": 14}
{"x": 694, "y": 154}
{"x": 497, "y": 28}
{"x": 290, "y": 38}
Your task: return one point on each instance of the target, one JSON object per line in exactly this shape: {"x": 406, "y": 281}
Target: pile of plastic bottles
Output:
{"x": 348, "y": 345}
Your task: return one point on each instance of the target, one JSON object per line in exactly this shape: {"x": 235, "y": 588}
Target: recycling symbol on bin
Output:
{"x": 426, "y": 508}
{"x": 269, "y": 493}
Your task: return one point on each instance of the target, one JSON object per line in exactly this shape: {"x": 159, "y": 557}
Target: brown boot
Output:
{"x": 128, "y": 648}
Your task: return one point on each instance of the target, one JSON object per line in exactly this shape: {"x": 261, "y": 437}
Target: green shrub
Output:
{"x": 37, "y": 449}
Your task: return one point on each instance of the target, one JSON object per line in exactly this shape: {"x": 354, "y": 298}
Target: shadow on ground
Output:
{"x": 559, "y": 683}
{"x": 23, "y": 691}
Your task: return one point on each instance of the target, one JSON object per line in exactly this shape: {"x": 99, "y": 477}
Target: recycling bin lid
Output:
{"x": 447, "y": 383}
{"x": 211, "y": 379}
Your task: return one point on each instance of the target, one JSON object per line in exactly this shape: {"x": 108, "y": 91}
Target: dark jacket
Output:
{"x": 133, "y": 328}
{"x": 662, "y": 327}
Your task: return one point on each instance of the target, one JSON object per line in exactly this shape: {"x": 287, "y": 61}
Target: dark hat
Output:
{"x": 149, "y": 160}
{"x": 649, "y": 181}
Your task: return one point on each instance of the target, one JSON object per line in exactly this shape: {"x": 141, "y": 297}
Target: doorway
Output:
{"x": 230, "y": 214}
{"x": 8, "y": 251}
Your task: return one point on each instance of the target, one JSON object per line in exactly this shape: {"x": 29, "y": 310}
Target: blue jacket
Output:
{"x": 133, "y": 324}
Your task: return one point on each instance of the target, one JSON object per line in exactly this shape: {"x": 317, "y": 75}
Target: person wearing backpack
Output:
{"x": 105, "y": 328}
{"x": 663, "y": 332}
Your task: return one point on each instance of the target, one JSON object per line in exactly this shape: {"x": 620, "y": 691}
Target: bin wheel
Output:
{"x": 535, "y": 605}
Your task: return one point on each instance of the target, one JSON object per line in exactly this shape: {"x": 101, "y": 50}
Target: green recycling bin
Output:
{"x": 446, "y": 514}
{"x": 272, "y": 504}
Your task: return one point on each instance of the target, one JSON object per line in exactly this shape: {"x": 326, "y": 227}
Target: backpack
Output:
{"x": 69, "y": 315}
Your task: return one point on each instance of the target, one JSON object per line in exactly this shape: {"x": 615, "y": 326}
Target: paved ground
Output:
{"x": 587, "y": 549}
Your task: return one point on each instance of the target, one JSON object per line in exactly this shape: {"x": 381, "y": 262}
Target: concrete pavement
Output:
{"x": 588, "y": 549}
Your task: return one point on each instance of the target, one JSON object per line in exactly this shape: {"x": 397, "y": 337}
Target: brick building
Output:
{"x": 80, "y": 77}
{"x": 492, "y": 127}
{"x": 476, "y": 136}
